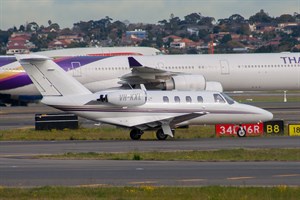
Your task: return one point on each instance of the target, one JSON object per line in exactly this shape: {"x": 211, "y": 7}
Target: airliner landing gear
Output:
{"x": 241, "y": 132}
{"x": 135, "y": 134}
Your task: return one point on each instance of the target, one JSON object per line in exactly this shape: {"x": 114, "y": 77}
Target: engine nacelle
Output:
{"x": 135, "y": 97}
{"x": 186, "y": 82}
{"x": 214, "y": 86}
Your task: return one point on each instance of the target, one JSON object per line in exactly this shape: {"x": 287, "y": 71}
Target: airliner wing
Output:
{"x": 144, "y": 74}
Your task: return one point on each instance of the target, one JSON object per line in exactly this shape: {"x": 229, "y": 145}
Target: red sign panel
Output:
{"x": 232, "y": 129}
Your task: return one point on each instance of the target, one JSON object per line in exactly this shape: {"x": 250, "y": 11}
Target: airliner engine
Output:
{"x": 192, "y": 82}
{"x": 186, "y": 82}
{"x": 135, "y": 97}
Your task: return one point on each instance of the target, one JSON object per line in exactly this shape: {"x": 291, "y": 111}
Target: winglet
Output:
{"x": 133, "y": 62}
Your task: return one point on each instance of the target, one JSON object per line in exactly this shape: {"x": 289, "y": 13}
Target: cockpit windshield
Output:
{"x": 228, "y": 99}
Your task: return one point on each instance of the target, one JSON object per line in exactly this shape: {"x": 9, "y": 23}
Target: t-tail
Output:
{"x": 49, "y": 78}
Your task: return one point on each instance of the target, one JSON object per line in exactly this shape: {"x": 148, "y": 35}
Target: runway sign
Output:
{"x": 294, "y": 129}
{"x": 274, "y": 127}
{"x": 231, "y": 129}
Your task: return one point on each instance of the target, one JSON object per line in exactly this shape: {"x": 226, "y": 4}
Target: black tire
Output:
{"x": 135, "y": 134}
{"x": 241, "y": 132}
{"x": 160, "y": 135}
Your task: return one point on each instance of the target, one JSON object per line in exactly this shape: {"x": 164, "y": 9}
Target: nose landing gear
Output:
{"x": 241, "y": 132}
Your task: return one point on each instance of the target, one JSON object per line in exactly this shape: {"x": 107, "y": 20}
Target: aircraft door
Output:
{"x": 76, "y": 68}
{"x": 160, "y": 65}
{"x": 224, "y": 67}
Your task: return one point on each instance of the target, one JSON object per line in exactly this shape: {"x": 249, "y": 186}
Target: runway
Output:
{"x": 18, "y": 168}
{"x": 32, "y": 172}
{"x": 25, "y": 148}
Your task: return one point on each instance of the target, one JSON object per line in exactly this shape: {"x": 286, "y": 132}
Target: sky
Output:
{"x": 68, "y": 12}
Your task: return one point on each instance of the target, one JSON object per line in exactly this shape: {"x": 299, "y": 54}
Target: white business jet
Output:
{"x": 136, "y": 109}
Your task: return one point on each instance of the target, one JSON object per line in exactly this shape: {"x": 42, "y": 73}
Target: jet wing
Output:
{"x": 144, "y": 74}
{"x": 152, "y": 121}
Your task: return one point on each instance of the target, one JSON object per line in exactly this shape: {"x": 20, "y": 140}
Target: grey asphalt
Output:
{"x": 34, "y": 172}
{"x": 25, "y": 148}
{"x": 19, "y": 169}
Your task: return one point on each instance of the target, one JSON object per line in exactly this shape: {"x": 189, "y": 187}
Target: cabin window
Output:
{"x": 199, "y": 99}
{"x": 177, "y": 99}
{"x": 188, "y": 99}
{"x": 166, "y": 99}
{"x": 228, "y": 99}
{"x": 218, "y": 98}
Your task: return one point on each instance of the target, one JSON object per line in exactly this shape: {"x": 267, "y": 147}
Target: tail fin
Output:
{"x": 134, "y": 63}
{"x": 49, "y": 78}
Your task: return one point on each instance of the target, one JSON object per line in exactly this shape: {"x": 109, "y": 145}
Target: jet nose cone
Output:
{"x": 259, "y": 114}
{"x": 266, "y": 115}
{"x": 263, "y": 115}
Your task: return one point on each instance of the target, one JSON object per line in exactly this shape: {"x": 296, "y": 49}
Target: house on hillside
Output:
{"x": 19, "y": 43}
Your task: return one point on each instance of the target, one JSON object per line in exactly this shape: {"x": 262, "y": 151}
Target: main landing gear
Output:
{"x": 160, "y": 135}
{"x": 135, "y": 134}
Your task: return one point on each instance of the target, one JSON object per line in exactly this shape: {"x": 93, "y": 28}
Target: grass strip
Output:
{"x": 151, "y": 192}
{"x": 214, "y": 155}
{"x": 102, "y": 133}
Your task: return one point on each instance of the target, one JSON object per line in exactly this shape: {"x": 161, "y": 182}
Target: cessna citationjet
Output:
{"x": 137, "y": 109}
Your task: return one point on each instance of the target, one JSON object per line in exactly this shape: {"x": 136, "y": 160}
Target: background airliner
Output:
{"x": 218, "y": 72}
{"x": 14, "y": 80}
{"x": 137, "y": 109}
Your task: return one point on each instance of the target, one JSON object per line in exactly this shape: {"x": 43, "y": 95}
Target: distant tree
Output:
{"x": 54, "y": 26}
{"x": 234, "y": 44}
{"x": 192, "y": 18}
{"x": 236, "y": 18}
{"x": 285, "y": 18}
{"x": 192, "y": 51}
{"x": 287, "y": 44}
{"x": 208, "y": 21}
{"x": 261, "y": 17}
{"x": 216, "y": 29}
{"x": 32, "y": 26}
{"x": 159, "y": 41}
{"x": 22, "y": 28}
{"x": 267, "y": 36}
{"x": 296, "y": 31}
{"x": 174, "y": 23}
{"x": 4, "y": 35}
{"x": 226, "y": 38}
{"x": 146, "y": 43}
{"x": 49, "y": 22}
{"x": 77, "y": 44}
{"x": 40, "y": 42}
{"x": 244, "y": 29}
{"x": 120, "y": 28}
{"x": 266, "y": 49}
{"x": 202, "y": 34}
{"x": 66, "y": 31}
{"x": 163, "y": 22}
